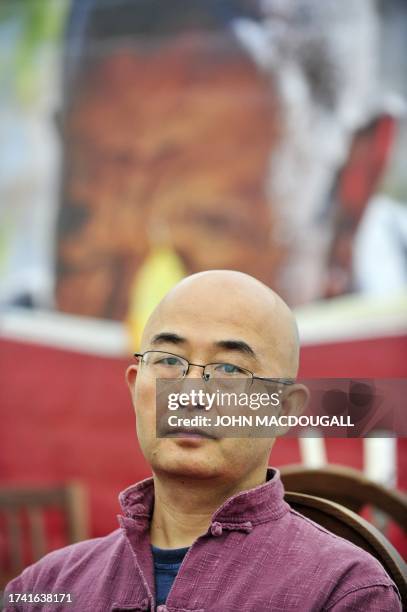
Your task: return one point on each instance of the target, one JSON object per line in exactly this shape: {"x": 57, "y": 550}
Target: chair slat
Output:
{"x": 15, "y": 537}
{"x": 17, "y": 503}
{"x": 37, "y": 529}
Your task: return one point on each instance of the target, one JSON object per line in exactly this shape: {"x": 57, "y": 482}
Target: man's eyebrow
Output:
{"x": 167, "y": 337}
{"x": 236, "y": 345}
{"x": 229, "y": 345}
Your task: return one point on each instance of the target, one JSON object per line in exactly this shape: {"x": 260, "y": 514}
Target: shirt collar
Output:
{"x": 261, "y": 504}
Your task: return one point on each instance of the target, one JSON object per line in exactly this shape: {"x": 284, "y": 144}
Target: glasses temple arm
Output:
{"x": 282, "y": 381}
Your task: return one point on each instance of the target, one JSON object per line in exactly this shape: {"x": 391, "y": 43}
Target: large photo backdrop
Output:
{"x": 144, "y": 141}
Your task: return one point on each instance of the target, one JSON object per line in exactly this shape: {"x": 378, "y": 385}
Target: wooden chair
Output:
{"x": 347, "y": 487}
{"x": 349, "y": 525}
{"x": 17, "y": 504}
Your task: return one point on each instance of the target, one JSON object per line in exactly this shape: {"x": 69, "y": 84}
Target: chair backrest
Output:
{"x": 20, "y": 507}
{"x": 350, "y": 526}
{"x": 348, "y": 487}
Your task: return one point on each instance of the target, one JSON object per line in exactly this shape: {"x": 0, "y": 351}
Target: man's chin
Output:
{"x": 186, "y": 460}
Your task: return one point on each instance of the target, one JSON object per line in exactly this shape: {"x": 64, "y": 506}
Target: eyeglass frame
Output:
{"x": 282, "y": 381}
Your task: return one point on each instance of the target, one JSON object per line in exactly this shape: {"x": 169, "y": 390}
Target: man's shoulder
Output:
{"x": 315, "y": 560}
{"x": 318, "y": 540}
{"x": 61, "y": 566}
{"x": 83, "y": 551}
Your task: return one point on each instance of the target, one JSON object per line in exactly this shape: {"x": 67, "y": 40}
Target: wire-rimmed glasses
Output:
{"x": 162, "y": 365}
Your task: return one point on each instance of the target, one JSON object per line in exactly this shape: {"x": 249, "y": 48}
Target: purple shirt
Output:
{"x": 257, "y": 555}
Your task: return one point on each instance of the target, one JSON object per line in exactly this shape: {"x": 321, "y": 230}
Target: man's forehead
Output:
{"x": 223, "y": 326}
{"x": 210, "y": 314}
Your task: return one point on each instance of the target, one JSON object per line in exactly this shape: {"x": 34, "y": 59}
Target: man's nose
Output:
{"x": 194, "y": 381}
{"x": 195, "y": 371}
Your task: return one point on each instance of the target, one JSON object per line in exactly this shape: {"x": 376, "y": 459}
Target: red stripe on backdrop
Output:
{"x": 68, "y": 415}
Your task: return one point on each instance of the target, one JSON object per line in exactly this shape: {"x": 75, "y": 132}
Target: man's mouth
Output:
{"x": 188, "y": 432}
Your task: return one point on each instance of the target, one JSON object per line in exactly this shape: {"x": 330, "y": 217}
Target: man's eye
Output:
{"x": 169, "y": 361}
{"x": 228, "y": 368}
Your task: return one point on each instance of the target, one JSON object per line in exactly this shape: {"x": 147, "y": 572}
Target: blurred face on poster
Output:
{"x": 172, "y": 149}
{"x": 216, "y": 151}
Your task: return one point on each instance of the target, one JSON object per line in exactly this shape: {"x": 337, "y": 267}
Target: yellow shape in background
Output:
{"x": 158, "y": 274}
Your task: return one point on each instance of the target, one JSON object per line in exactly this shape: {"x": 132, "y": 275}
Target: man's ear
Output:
{"x": 294, "y": 400}
{"x": 131, "y": 375}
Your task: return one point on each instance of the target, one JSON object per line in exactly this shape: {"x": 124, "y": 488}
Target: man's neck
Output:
{"x": 183, "y": 507}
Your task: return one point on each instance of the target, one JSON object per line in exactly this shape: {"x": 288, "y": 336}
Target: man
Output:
{"x": 211, "y": 531}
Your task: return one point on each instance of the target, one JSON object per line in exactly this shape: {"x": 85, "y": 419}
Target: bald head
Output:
{"x": 224, "y": 311}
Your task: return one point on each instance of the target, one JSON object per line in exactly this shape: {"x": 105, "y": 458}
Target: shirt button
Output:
{"x": 216, "y": 529}
{"x": 162, "y": 609}
{"x": 145, "y": 606}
